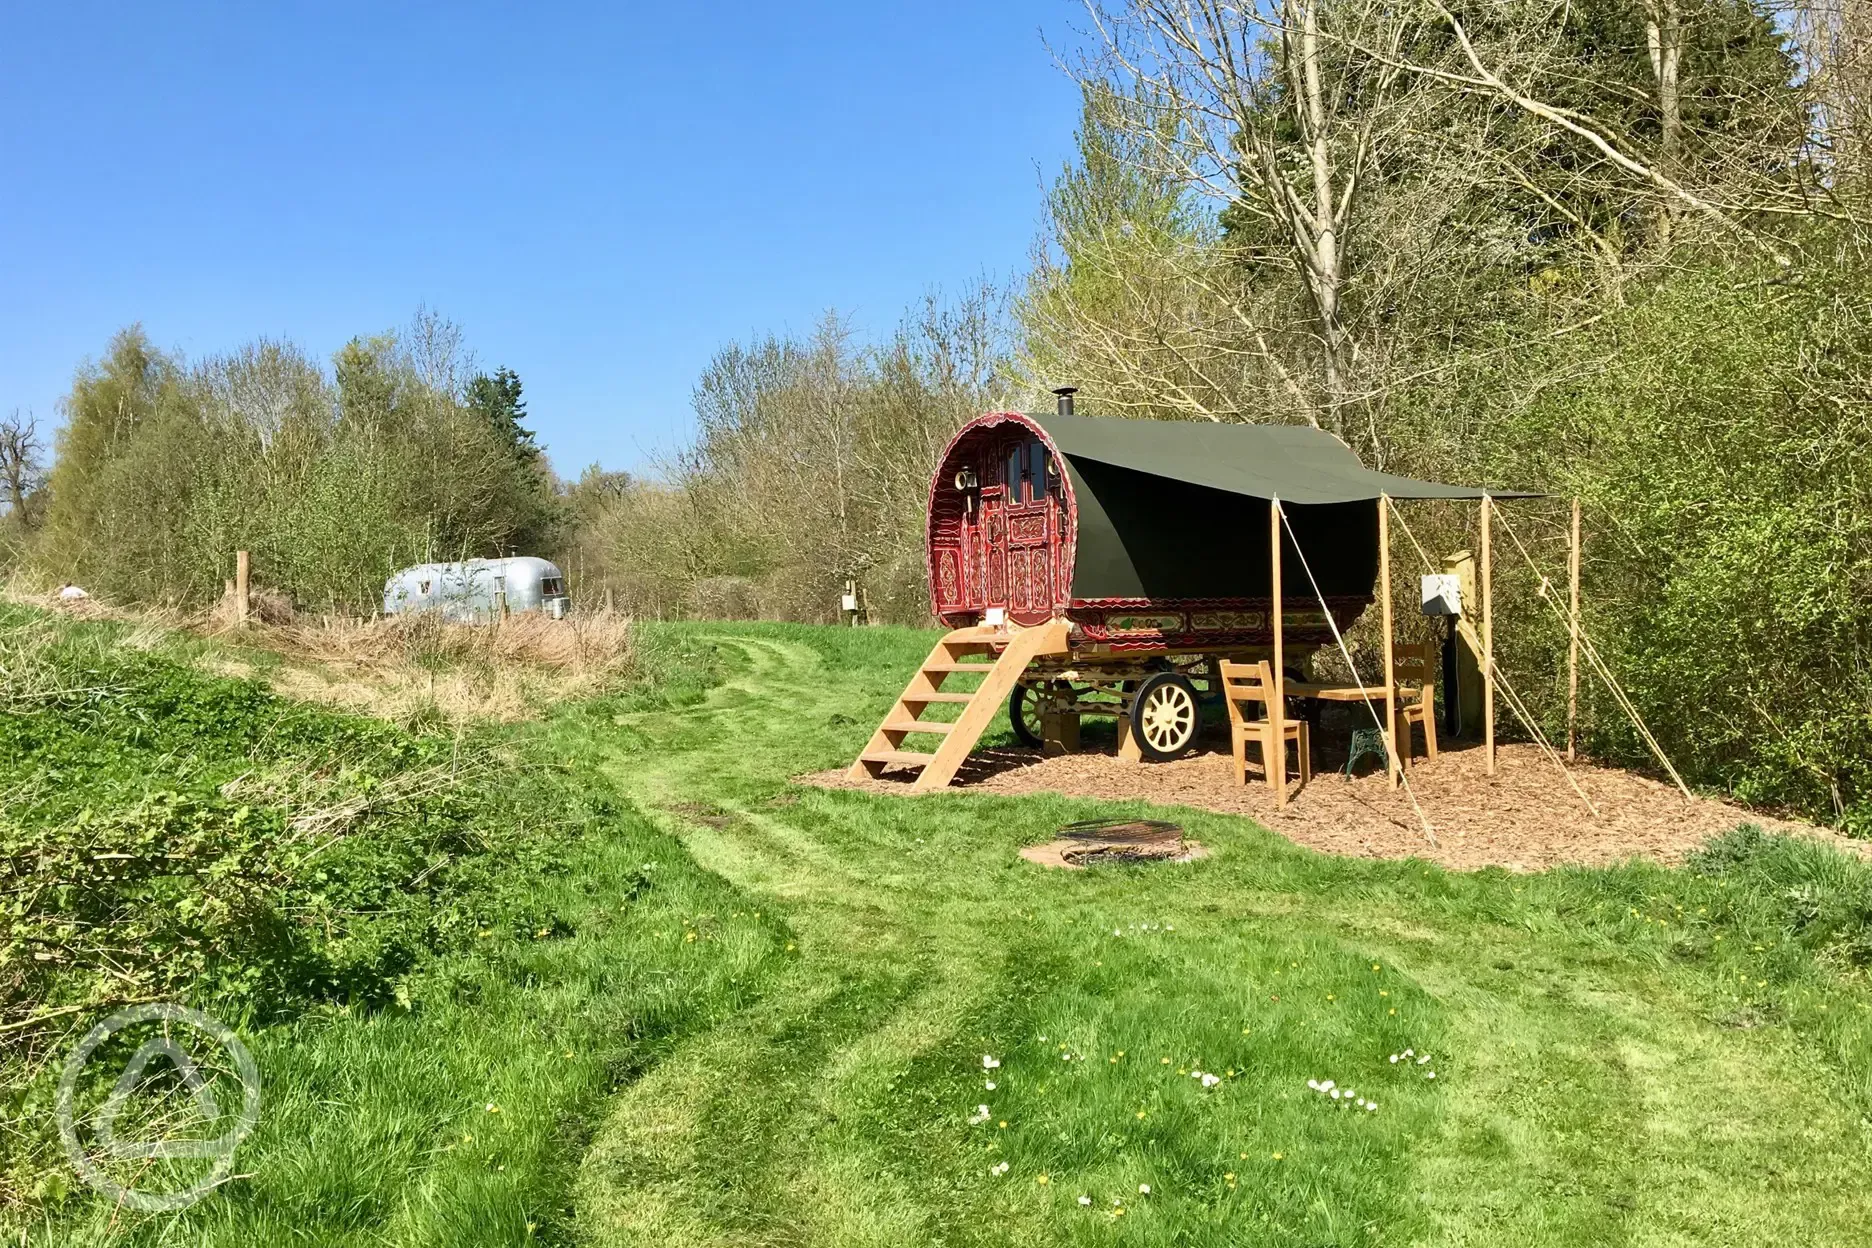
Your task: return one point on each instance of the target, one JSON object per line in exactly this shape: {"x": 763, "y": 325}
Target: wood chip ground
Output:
{"x": 1525, "y": 817}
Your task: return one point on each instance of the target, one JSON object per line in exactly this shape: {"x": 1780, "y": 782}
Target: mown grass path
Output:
{"x": 1601, "y": 1074}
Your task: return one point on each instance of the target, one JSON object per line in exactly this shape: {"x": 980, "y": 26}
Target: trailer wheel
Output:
{"x": 1024, "y": 715}
{"x": 1165, "y": 715}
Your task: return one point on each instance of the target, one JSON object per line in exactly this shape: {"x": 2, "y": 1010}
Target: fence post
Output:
{"x": 243, "y": 567}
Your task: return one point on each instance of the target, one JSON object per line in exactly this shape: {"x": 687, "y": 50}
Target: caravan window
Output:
{"x": 553, "y": 587}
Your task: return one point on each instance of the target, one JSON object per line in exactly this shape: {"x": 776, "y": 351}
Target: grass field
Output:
{"x": 774, "y": 1013}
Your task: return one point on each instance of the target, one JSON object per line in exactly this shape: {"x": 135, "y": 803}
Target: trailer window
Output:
{"x": 553, "y": 587}
{"x": 1036, "y": 471}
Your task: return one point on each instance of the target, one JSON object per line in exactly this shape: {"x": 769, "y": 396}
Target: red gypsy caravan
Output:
{"x": 1103, "y": 566}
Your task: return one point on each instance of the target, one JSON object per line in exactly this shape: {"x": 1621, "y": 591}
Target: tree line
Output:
{"x": 1613, "y": 249}
{"x": 332, "y": 476}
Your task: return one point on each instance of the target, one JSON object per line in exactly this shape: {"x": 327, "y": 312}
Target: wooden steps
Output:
{"x": 902, "y": 758}
{"x": 919, "y": 725}
{"x": 999, "y": 676}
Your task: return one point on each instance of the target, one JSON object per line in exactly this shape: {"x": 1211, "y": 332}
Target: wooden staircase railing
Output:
{"x": 979, "y": 706}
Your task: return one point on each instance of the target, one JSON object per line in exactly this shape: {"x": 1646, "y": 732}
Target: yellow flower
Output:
{"x": 1140, "y": 1113}
{"x": 1394, "y": 1009}
{"x": 1004, "y": 1126}
{"x": 1164, "y": 1061}
{"x": 1277, "y": 1156}
{"x": 1041, "y": 1180}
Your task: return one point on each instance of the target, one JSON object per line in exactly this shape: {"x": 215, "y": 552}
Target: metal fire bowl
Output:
{"x": 1121, "y": 838}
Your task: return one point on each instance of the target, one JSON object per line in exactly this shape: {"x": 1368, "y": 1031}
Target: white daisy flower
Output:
{"x": 998, "y": 1168}
{"x": 1423, "y": 1059}
{"x": 1085, "y": 1200}
{"x": 980, "y": 1116}
{"x": 1334, "y": 1092}
{"x": 1210, "y": 1081}
{"x": 1143, "y": 1189}
{"x": 1394, "y": 1059}
{"x": 1313, "y": 1084}
{"x": 1371, "y": 1107}
{"x": 989, "y": 1084}
{"x": 1431, "y": 1075}
{"x": 989, "y": 1063}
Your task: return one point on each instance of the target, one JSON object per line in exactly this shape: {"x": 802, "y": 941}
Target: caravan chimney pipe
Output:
{"x": 1065, "y": 394}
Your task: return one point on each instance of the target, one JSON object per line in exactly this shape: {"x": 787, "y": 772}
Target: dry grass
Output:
{"x": 411, "y": 669}
{"x": 417, "y": 668}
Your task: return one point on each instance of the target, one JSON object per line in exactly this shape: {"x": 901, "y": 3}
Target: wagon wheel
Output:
{"x": 1024, "y": 714}
{"x": 1165, "y": 715}
{"x": 1026, "y": 705}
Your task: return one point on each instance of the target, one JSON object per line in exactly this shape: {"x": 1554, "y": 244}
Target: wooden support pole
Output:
{"x": 1399, "y": 741}
{"x": 1276, "y": 761}
{"x": 1488, "y": 637}
{"x": 1573, "y": 625}
{"x": 243, "y": 568}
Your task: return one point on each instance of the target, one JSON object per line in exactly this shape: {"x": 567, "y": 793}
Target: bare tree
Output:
{"x": 22, "y": 467}
{"x": 1257, "y": 107}
{"x": 1835, "y": 38}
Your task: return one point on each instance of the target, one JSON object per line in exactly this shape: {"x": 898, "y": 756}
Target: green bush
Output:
{"x": 1714, "y": 430}
{"x": 176, "y": 835}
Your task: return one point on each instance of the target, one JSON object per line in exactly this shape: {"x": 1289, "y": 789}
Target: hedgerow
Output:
{"x": 177, "y": 835}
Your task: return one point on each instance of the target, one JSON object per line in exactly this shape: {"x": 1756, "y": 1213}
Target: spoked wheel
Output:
{"x": 1165, "y": 716}
{"x": 1024, "y": 714}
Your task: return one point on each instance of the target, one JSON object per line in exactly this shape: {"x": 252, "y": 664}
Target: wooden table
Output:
{"x": 1371, "y": 695}
{"x": 1338, "y": 693}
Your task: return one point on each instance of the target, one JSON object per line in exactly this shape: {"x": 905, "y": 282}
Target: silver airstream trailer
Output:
{"x": 475, "y": 591}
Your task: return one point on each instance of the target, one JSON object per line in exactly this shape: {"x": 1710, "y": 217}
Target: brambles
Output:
{"x": 173, "y": 833}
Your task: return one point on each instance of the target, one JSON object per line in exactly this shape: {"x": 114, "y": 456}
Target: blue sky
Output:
{"x": 601, "y": 195}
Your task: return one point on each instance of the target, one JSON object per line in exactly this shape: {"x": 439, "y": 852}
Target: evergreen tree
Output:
{"x": 497, "y": 401}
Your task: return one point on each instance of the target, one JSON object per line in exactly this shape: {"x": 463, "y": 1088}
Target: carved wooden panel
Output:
{"x": 949, "y": 591}
{"x": 1030, "y": 527}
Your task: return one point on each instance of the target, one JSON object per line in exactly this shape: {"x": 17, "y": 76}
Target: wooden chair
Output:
{"x": 1245, "y": 683}
{"x": 1415, "y": 671}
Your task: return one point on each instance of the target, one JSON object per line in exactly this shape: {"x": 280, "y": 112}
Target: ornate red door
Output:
{"x": 991, "y": 547}
{"x": 1033, "y": 530}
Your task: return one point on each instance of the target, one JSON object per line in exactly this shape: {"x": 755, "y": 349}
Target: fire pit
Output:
{"x": 1114, "y": 840}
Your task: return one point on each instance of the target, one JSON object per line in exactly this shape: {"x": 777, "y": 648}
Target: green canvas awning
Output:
{"x": 1294, "y": 463}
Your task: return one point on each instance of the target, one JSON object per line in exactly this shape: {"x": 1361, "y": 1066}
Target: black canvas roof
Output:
{"x": 1294, "y": 463}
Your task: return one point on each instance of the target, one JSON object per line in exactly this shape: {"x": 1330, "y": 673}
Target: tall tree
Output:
{"x": 22, "y": 467}
{"x": 497, "y": 401}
